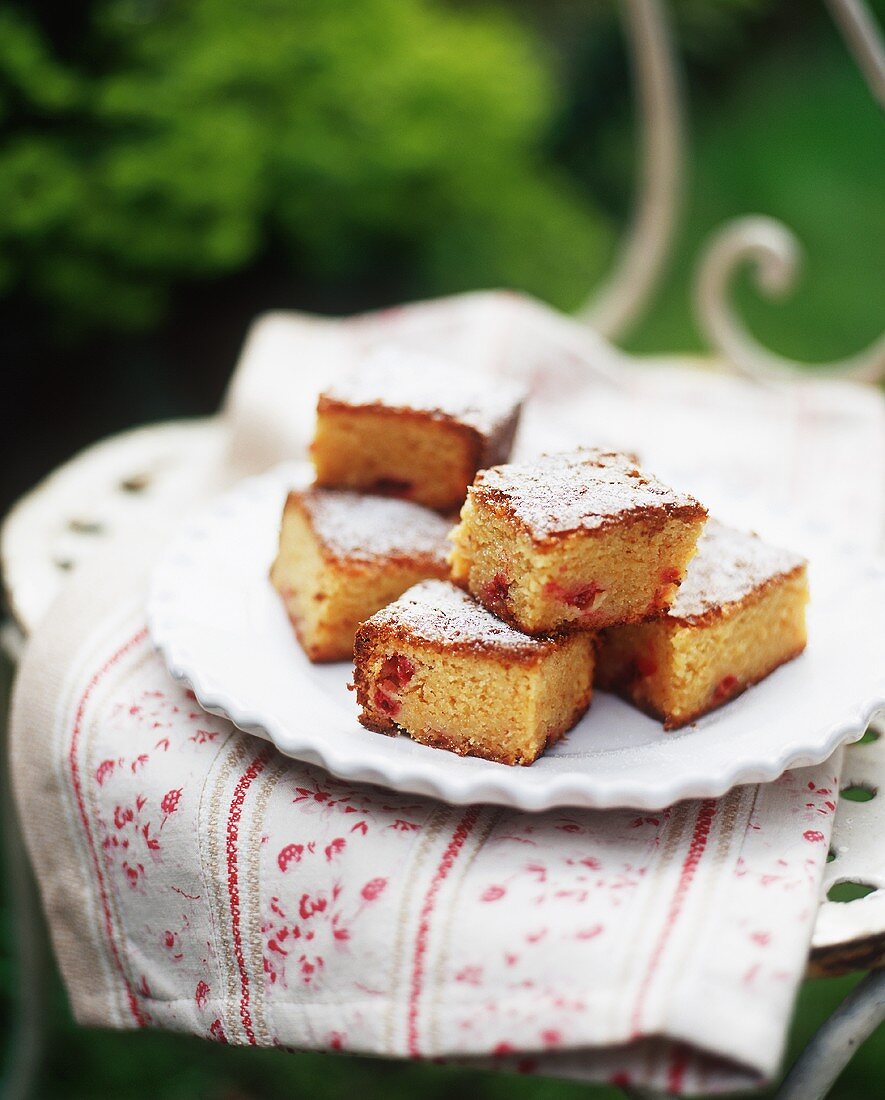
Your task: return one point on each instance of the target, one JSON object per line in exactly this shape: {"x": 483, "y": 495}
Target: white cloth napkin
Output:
{"x": 194, "y": 879}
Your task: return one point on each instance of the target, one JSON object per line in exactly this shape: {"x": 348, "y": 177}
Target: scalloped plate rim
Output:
{"x": 579, "y": 790}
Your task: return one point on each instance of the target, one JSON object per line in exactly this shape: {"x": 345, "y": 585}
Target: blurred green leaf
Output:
{"x": 334, "y": 132}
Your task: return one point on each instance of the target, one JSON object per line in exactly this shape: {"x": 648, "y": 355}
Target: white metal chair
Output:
{"x": 151, "y": 471}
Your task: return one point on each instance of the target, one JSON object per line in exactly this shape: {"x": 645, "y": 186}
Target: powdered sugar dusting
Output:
{"x": 365, "y": 528}
{"x": 401, "y": 379}
{"x": 441, "y": 613}
{"x": 581, "y": 490}
{"x": 728, "y": 566}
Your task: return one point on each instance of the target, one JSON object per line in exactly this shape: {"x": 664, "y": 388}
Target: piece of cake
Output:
{"x": 344, "y": 555}
{"x": 437, "y": 666}
{"x": 575, "y": 541}
{"x": 739, "y": 614}
{"x": 415, "y": 427}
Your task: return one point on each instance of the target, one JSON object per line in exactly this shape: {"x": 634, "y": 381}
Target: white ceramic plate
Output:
{"x": 223, "y": 631}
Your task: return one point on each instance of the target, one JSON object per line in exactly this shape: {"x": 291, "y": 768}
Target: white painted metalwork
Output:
{"x": 774, "y": 251}
{"x": 833, "y": 1047}
{"x": 859, "y": 29}
{"x": 113, "y": 484}
{"x": 646, "y": 245}
{"x": 127, "y": 477}
{"x": 851, "y": 935}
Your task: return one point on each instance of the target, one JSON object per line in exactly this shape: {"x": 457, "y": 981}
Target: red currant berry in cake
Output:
{"x": 387, "y": 704}
{"x": 497, "y": 591}
{"x": 645, "y": 665}
{"x": 398, "y": 669}
{"x": 725, "y": 688}
{"x": 582, "y": 596}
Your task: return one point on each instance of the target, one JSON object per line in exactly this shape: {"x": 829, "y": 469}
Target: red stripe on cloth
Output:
{"x": 134, "y": 1006}
{"x": 460, "y": 835}
{"x": 703, "y": 825}
{"x": 233, "y": 882}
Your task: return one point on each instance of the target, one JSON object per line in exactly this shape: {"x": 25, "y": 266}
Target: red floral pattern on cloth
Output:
{"x": 253, "y": 899}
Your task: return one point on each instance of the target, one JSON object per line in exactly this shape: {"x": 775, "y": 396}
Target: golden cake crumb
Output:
{"x": 344, "y": 555}
{"x": 575, "y": 541}
{"x": 739, "y": 614}
{"x": 413, "y": 427}
{"x": 440, "y": 667}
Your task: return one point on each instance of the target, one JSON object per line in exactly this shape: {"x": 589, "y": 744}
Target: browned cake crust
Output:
{"x": 730, "y": 567}
{"x": 433, "y": 388}
{"x": 355, "y": 529}
{"x": 445, "y": 620}
{"x": 342, "y": 555}
{"x": 434, "y": 739}
{"x": 738, "y": 616}
{"x": 586, "y": 490}
{"x": 669, "y": 722}
{"x": 574, "y": 542}
{"x": 435, "y": 650}
{"x": 480, "y": 449}
{"x": 411, "y": 425}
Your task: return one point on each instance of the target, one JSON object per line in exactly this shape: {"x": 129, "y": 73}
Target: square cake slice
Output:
{"x": 739, "y": 614}
{"x": 437, "y": 666}
{"x": 575, "y": 541}
{"x": 415, "y": 427}
{"x": 344, "y": 555}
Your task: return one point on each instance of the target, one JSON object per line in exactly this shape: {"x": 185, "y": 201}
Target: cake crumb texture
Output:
{"x": 579, "y": 541}
{"x": 418, "y": 430}
{"x": 342, "y": 557}
{"x": 458, "y": 681}
{"x": 748, "y": 621}
{"x": 408, "y": 381}
{"x": 581, "y": 490}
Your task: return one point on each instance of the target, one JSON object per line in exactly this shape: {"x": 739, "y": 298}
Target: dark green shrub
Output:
{"x": 194, "y": 135}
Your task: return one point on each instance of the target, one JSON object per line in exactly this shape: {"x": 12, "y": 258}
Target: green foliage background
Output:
{"x": 370, "y": 149}
{"x": 188, "y": 135}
